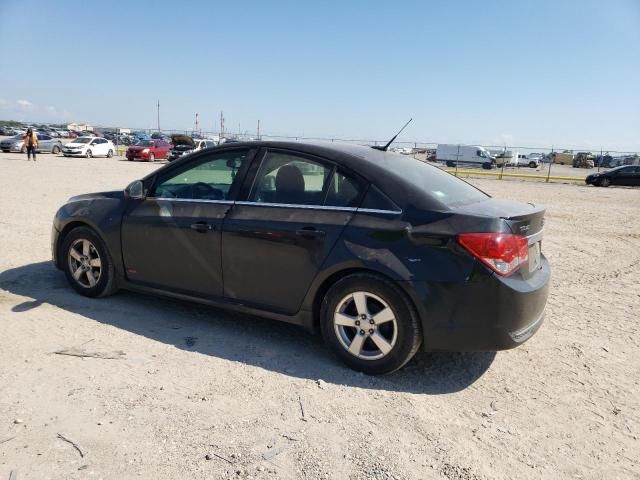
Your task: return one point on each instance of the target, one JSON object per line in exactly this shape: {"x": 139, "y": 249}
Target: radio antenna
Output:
{"x": 386, "y": 147}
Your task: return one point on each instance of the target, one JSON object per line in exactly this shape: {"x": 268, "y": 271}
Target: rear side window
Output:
{"x": 287, "y": 178}
{"x": 443, "y": 187}
{"x": 376, "y": 200}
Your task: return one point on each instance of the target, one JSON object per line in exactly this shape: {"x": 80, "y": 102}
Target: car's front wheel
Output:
{"x": 370, "y": 323}
{"x": 87, "y": 263}
{"x": 110, "y": 154}
{"x": 605, "y": 182}
{"x": 89, "y": 153}
{"x": 55, "y": 150}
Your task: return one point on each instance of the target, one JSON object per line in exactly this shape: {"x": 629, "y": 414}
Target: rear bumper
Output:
{"x": 486, "y": 313}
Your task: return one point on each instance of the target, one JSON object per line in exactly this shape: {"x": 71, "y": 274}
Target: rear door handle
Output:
{"x": 202, "y": 227}
{"x": 310, "y": 232}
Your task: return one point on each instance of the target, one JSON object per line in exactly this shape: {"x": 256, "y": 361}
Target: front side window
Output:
{"x": 286, "y": 178}
{"x": 210, "y": 178}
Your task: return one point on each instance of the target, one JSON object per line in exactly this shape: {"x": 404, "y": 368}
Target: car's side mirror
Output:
{"x": 135, "y": 190}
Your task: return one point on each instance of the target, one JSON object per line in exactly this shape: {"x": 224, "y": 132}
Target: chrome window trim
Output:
{"x": 192, "y": 200}
{"x": 375, "y": 210}
{"x": 319, "y": 207}
{"x": 293, "y": 205}
{"x": 280, "y": 205}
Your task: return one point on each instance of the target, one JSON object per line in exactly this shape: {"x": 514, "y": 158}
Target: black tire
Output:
{"x": 451, "y": 164}
{"x": 532, "y": 165}
{"x": 55, "y": 150}
{"x": 487, "y": 166}
{"x": 23, "y": 149}
{"x": 409, "y": 331}
{"x": 605, "y": 182}
{"x": 89, "y": 153}
{"x": 110, "y": 153}
{"x": 106, "y": 284}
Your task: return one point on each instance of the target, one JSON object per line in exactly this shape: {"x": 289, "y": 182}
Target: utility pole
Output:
{"x": 221, "y": 125}
{"x": 258, "y": 131}
{"x": 196, "y": 129}
{"x": 158, "y": 115}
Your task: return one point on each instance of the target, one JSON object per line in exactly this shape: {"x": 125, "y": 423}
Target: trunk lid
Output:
{"x": 522, "y": 218}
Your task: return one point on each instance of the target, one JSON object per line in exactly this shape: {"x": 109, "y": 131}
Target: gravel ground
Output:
{"x": 197, "y": 393}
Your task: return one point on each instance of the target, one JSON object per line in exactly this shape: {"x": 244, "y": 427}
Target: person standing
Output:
{"x": 31, "y": 142}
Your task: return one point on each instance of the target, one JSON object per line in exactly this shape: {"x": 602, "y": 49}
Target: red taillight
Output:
{"x": 502, "y": 252}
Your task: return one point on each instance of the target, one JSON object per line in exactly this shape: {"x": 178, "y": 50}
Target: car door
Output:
{"x": 97, "y": 147}
{"x": 44, "y": 143}
{"x": 171, "y": 239}
{"x": 276, "y": 239}
{"x": 164, "y": 148}
{"x": 622, "y": 176}
{"x": 634, "y": 176}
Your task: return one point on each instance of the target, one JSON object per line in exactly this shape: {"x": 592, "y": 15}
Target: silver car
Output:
{"x": 45, "y": 144}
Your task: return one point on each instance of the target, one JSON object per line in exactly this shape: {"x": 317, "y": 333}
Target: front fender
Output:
{"x": 100, "y": 212}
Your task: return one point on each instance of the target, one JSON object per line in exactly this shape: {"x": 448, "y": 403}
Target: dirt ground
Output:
{"x": 196, "y": 393}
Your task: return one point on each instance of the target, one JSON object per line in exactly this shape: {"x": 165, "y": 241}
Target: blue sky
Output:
{"x": 491, "y": 72}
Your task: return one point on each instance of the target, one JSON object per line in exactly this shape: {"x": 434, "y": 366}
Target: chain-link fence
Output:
{"x": 508, "y": 160}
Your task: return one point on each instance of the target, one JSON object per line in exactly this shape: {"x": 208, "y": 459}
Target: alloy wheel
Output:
{"x": 85, "y": 264}
{"x": 89, "y": 154}
{"x": 365, "y": 325}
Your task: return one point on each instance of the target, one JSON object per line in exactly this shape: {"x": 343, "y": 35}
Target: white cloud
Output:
{"x": 16, "y": 110}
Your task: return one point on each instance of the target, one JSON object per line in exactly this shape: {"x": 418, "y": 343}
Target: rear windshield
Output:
{"x": 440, "y": 185}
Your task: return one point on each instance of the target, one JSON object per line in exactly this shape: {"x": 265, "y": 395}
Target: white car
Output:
{"x": 89, "y": 147}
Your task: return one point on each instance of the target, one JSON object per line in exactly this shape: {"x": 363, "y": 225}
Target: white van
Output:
{"x": 454, "y": 155}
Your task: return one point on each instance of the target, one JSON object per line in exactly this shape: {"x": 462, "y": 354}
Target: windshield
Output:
{"x": 82, "y": 140}
{"x": 144, "y": 143}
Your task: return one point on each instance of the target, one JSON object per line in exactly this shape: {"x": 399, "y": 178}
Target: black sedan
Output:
{"x": 628, "y": 175}
{"x": 380, "y": 252}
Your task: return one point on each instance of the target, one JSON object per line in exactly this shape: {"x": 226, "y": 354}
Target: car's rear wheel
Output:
{"x": 110, "y": 154}
{"x": 87, "y": 263}
{"x": 152, "y": 157}
{"x": 532, "y": 165}
{"x": 89, "y": 153}
{"x": 23, "y": 149}
{"x": 451, "y": 164}
{"x": 370, "y": 323}
{"x": 605, "y": 182}
{"x": 55, "y": 150}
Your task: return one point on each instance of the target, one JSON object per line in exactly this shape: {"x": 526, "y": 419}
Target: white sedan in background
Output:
{"x": 89, "y": 147}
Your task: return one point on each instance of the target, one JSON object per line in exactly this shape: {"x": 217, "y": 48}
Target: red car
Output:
{"x": 149, "y": 150}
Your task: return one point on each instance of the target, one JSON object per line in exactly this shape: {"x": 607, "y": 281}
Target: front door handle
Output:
{"x": 310, "y": 232}
{"x": 202, "y": 227}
